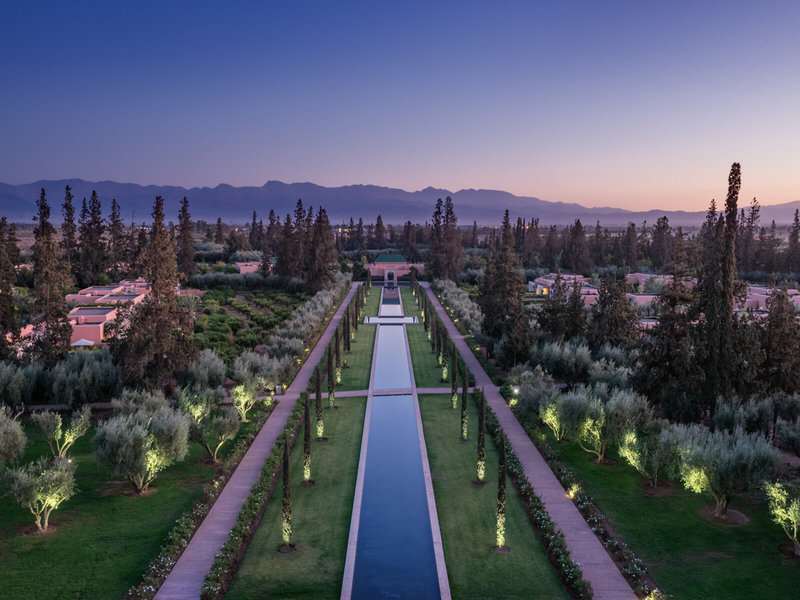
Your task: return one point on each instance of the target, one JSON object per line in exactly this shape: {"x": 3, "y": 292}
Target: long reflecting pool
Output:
{"x": 394, "y": 555}
{"x": 391, "y": 359}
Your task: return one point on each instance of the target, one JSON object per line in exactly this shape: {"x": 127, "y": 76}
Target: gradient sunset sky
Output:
{"x": 634, "y": 104}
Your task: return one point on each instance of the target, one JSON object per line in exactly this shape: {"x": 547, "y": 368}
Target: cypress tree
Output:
{"x": 464, "y": 396}
{"x": 318, "y": 404}
{"x": 500, "y": 537}
{"x": 331, "y": 380}
{"x": 69, "y": 240}
{"x": 338, "y": 356}
{"x": 185, "y": 248}
{"x": 439, "y": 354}
{"x": 49, "y": 276}
{"x": 117, "y": 242}
{"x": 454, "y": 387}
{"x": 286, "y": 521}
{"x": 481, "y": 470}
{"x": 91, "y": 245}
{"x": 307, "y": 481}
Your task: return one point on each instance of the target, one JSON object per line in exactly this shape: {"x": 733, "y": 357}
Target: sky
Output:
{"x": 633, "y": 104}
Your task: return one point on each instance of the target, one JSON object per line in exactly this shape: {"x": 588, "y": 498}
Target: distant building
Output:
{"x": 391, "y": 267}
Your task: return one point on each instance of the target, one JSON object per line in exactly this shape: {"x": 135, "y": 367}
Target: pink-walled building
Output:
{"x": 391, "y": 267}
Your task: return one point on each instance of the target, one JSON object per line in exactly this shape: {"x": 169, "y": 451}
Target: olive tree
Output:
{"x": 723, "y": 463}
{"x": 532, "y": 387}
{"x": 208, "y": 371}
{"x": 132, "y": 401}
{"x": 12, "y": 438}
{"x": 565, "y": 414}
{"x": 653, "y": 452}
{"x": 41, "y": 486}
{"x": 59, "y": 439}
{"x": 605, "y": 422}
{"x": 140, "y": 446}
{"x": 209, "y": 427}
{"x": 243, "y": 398}
{"x": 784, "y": 505}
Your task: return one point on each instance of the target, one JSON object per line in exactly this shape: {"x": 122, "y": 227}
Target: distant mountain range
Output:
{"x": 236, "y": 204}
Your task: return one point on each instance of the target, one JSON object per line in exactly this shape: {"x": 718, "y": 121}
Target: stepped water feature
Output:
{"x": 395, "y": 548}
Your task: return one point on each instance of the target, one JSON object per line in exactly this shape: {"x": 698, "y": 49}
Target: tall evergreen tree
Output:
{"x": 331, "y": 380}
{"x": 307, "y": 481}
{"x": 118, "y": 255}
{"x": 219, "y": 233}
{"x": 91, "y": 242}
{"x": 717, "y": 286}
{"x": 792, "y": 260}
{"x": 322, "y": 254}
{"x": 781, "y": 343}
{"x": 157, "y": 343}
{"x": 481, "y": 466}
{"x": 614, "y": 319}
{"x": 49, "y": 277}
{"x": 379, "y": 234}
{"x": 287, "y": 532}
{"x": 464, "y": 405}
{"x": 500, "y": 531}
{"x": 186, "y": 264}
{"x": 577, "y": 249}
{"x": 318, "y": 404}
{"x": 69, "y": 232}
{"x": 513, "y": 324}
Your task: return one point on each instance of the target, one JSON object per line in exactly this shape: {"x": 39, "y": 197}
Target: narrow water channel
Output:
{"x": 394, "y": 555}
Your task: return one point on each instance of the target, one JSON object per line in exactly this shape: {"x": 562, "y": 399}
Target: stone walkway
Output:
{"x": 186, "y": 579}
{"x": 598, "y": 568}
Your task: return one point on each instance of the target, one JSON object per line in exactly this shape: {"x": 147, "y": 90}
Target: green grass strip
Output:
{"x": 321, "y": 518}
{"x": 467, "y": 516}
{"x": 426, "y": 373}
{"x": 359, "y": 362}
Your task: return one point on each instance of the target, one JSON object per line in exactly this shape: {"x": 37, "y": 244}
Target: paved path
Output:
{"x": 584, "y": 547}
{"x": 186, "y": 579}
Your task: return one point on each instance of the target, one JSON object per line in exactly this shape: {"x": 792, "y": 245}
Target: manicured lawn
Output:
{"x": 467, "y": 515}
{"x": 426, "y": 373}
{"x": 102, "y": 539}
{"x": 321, "y": 518}
{"x": 688, "y": 556}
{"x": 356, "y": 375}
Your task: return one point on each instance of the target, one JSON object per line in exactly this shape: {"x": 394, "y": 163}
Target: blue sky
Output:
{"x": 631, "y": 104}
